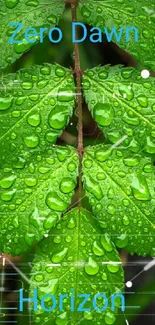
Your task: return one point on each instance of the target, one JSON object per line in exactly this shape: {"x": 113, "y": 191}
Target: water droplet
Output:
{"x": 54, "y": 202}
{"x": 61, "y": 319}
{"x": 45, "y": 70}
{"x": 39, "y": 277}
{"x": 31, "y": 141}
{"x": 106, "y": 243}
{"x": 30, "y": 239}
{"x": 126, "y": 221}
{"x": 34, "y": 119}
{"x": 50, "y": 221}
{"x": 140, "y": 188}
{"x": 121, "y": 241}
{"x": 30, "y": 181}
{"x": 97, "y": 249}
{"x": 67, "y": 185}
{"x": 5, "y": 103}
{"x": 103, "y": 113}
{"x": 8, "y": 195}
{"x": 111, "y": 209}
{"x": 22, "y": 47}
{"x": 88, "y": 315}
{"x": 60, "y": 72}
{"x": 102, "y": 155}
{"x": 32, "y": 3}
{"x": 65, "y": 95}
{"x": 113, "y": 267}
{"x": 7, "y": 182}
{"x": 20, "y": 163}
{"x": 131, "y": 162}
{"x": 11, "y": 3}
{"x": 110, "y": 318}
{"x": 59, "y": 256}
{"x": 85, "y": 12}
{"x": 93, "y": 187}
{"x": 27, "y": 85}
{"x": 58, "y": 117}
{"x": 91, "y": 268}
{"x": 71, "y": 224}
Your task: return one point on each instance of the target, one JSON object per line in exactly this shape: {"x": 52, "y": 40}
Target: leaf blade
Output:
{"x": 110, "y": 14}
{"x": 75, "y": 224}
{"x": 33, "y": 195}
{"x": 36, "y": 108}
{"x": 32, "y": 15}
{"x": 121, "y": 192}
{"x": 122, "y": 103}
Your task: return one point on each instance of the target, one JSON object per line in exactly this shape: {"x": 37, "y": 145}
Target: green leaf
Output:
{"x": 122, "y": 14}
{"x": 34, "y": 194}
{"x": 32, "y": 14}
{"x": 35, "y": 106}
{"x": 123, "y": 105}
{"x": 76, "y": 256}
{"x": 121, "y": 191}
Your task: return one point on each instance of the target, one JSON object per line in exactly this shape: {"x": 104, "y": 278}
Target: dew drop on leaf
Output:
{"x": 140, "y": 188}
{"x": 31, "y": 141}
{"x": 103, "y": 114}
{"x": 5, "y": 103}
{"x": 57, "y": 257}
{"x": 8, "y": 195}
{"x": 122, "y": 241}
{"x": 30, "y": 181}
{"x": 54, "y": 202}
{"x": 105, "y": 241}
{"x": 61, "y": 319}
{"x": 34, "y": 119}
{"x": 60, "y": 72}
{"x": 110, "y": 318}
{"x": 113, "y": 268}
{"x": 11, "y": 3}
{"x": 65, "y": 95}
{"x": 97, "y": 249}
{"x": 58, "y": 117}
{"x": 67, "y": 185}
{"x": 91, "y": 267}
{"x": 7, "y": 182}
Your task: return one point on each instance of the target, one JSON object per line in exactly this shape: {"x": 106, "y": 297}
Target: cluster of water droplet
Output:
{"x": 72, "y": 257}
{"x": 123, "y": 104}
{"x": 121, "y": 14}
{"x": 37, "y": 107}
{"x": 32, "y": 14}
{"x": 34, "y": 192}
{"x": 121, "y": 192}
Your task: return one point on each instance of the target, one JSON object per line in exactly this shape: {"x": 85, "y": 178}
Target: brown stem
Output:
{"x": 77, "y": 71}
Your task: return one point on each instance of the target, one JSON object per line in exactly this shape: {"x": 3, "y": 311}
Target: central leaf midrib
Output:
{"x": 104, "y": 88}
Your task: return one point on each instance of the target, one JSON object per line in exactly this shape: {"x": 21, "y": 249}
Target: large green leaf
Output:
{"x": 124, "y": 14}
{"x": 35, "y": 106}
{"x": 121, "y": 191}
{"x": 76, "y": 256}
{"x": 32, "y": 14}
{"x": 123, "y": 104}
{"x": 34, "y": 194}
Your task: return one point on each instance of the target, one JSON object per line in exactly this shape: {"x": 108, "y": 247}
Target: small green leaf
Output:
{"x": 35, "y": 106}
{"x": 123, "y": 105}
{"x": 34, "y": 192}
{"x": 77, "y": 259}
{"x": 121, "y": 191}
{"x": 31, "y": 14}
{"x": 125, "y": 17}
